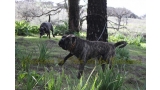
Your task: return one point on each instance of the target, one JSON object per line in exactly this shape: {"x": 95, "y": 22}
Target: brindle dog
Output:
{"x": 85, "y": 50}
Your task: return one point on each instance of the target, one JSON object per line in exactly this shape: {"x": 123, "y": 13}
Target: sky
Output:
{"x": 136, "y": 6}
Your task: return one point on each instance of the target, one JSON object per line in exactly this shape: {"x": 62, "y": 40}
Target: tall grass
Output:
{"x": 52, "y": 81}
{"x": 108, "y": 80}
{"x": 43, "y": 52}
{"x": 122, "y": 54}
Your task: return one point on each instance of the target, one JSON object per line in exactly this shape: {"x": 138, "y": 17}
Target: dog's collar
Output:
{"x": 72, "y": 46}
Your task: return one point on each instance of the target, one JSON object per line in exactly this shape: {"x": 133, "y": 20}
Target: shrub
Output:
{"x": 122, "y": 54}
{"x": 22, "y": 28}
{"x": 61, "y": 29}
{"x": 133, "y": 40}
{"x": 34, "y": 29}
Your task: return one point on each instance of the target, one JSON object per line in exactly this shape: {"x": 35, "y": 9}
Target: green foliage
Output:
{"x": 49, "y": 80}
{"x": 119, "y": 36}
{"x": 136, "y": 40}
{"x": 61, "y": 29}
{"x": 109, "y": 80}
{"x": 23, "y": 58}
{"x": 22, "y": 28}
{"x": 80, "y": 34}
{"x": 52, "y": 81}
{"x": 30, "y": 78}
{"x": 34, "y": 29}
{"x": 122, "y": 54}
{"x": 43, "y": 52}
{"x": 133, "y": 40}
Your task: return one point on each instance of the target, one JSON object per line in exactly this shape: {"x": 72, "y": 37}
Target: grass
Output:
{"x": 34, "y": 75}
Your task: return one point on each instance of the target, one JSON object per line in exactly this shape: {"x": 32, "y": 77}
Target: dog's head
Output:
{"x": 67, "y": 41}
{"x": 42, "y": 30}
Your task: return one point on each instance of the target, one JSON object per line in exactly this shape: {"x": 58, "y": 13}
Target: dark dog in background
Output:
{"x": 45, "y": 28}
{"x": 85, "y": 50}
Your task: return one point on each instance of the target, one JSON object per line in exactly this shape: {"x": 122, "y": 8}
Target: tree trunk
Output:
{"x": 119, "y": 22}
{"x": 73, "y": 16}
{"x": 96, "y": 20}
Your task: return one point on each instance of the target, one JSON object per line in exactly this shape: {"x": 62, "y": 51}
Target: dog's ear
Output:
{"x": 64, "y": 36}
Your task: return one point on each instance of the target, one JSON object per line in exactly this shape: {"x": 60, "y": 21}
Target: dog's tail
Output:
{"x": 49, "y": 18}
{"x": 121, "y": 43}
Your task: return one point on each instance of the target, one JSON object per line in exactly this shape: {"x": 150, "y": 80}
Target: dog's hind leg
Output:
{"x": 109, "y": 62}
{"x": 48, "y": 35}
{"x": 52, "y": 30}
{"x": 102, "y": 62}
{"x": 103, "y": 67}
{"x": 52, "y": 33}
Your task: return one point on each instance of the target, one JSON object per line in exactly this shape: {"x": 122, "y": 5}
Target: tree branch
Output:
{"x": 116, "y": 24}
{"x": 49, "y": 12}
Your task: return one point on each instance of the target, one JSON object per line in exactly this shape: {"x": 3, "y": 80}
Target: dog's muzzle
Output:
{"x": 62, "y": 44}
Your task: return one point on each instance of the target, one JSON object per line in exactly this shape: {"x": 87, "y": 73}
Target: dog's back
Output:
{"x": 48, "y": 25}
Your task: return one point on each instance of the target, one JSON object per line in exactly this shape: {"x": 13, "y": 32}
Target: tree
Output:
{"x": 73, "y": 16}
{"x": 96, "y": 20}
{"x": 29, "y": 9}
{"x": 120, "y": 13}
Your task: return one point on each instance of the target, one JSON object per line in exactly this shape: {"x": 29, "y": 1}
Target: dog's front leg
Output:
{"x": 62, "y": 62}
{"x": 48, "y": 35}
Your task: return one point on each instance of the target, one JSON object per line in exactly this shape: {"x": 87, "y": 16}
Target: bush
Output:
{"x": 22, "y": 28}
{"x": 122, "y": 54}
{"x": 34, "y": 29}
{"x": 61, "y": 29}
{"x": 133, "y": 40}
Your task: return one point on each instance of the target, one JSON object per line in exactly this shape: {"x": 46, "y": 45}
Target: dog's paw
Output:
{"x": 61, "y": 63}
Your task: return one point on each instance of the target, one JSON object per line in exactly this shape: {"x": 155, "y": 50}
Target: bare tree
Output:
{"x": 110, "y": 11}
{"x": 25, "y": 10}
{"x": 120, "y": 13}
{"x": 29, "y": 9}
